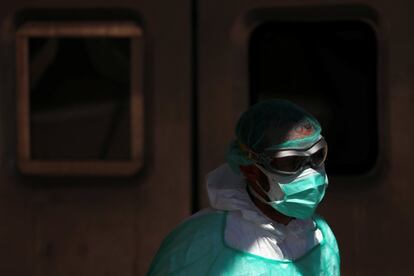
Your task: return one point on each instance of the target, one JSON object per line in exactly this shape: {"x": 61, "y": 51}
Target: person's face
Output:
{"x": 256, "y": 177}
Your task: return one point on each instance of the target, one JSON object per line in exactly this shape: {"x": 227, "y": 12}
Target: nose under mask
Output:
{"x": 295, "y": 196}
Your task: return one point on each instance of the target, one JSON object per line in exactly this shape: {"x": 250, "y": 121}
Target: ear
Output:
{"x": 255, "y": 176}
{"x": 251, "y": 172}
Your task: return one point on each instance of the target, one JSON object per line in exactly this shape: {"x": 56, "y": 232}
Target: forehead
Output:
{"x": 299, "y": 132}
{"x": 300, "y": 136}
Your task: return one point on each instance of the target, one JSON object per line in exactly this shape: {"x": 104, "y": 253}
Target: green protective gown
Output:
{"x": 197, "y": 247}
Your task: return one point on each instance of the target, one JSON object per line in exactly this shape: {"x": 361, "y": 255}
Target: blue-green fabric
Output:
{"x": 264, "y": 126}
{"x": 301, "y": 197}
{"x": 197, "y": 247}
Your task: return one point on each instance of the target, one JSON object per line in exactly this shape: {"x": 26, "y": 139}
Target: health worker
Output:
{"x": 262, "y": 217}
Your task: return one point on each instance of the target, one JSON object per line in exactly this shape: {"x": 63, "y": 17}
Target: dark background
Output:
{"x": 204, "y": 62}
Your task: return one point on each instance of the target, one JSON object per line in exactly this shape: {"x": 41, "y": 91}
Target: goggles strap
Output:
{"x": 250, "y": 154}
{"x": 256, "y": 194}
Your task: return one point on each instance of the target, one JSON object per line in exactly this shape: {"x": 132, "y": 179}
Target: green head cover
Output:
{"x": 268, "y": 126}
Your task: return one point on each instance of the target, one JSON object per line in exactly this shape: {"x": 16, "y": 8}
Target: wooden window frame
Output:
{"x": 25, "y": 162}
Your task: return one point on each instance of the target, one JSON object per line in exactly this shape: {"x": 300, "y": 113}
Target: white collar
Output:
{"x": 227, "y": 191}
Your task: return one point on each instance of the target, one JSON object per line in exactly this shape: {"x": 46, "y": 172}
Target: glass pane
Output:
{"x": 79, "y": 98}
{"x": 329, "y": 68}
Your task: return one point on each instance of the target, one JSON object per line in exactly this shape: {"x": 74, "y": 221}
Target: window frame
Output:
{"x": 79, "y": 29}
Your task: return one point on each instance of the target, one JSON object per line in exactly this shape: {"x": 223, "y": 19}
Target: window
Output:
{"x": 329, "y": 68}
{"x": 79, "y": 98}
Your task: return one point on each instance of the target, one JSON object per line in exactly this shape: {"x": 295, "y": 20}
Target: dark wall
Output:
{"x": 77, "y": 225}
{"x": 91, "y": 225}
{"x": 371, "y": 212}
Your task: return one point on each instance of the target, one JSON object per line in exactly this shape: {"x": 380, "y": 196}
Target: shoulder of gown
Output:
{"x": 188, "y": 248}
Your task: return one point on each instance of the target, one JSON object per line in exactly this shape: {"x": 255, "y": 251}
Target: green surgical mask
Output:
{"x": 295, "y": 196}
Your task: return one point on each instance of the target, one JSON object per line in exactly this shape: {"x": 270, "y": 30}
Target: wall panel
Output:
{"x": 101, "y": 225}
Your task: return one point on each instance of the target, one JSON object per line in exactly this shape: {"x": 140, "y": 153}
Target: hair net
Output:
{"x": 266, "y": 126}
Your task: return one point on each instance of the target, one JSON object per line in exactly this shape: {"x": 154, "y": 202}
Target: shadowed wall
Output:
{"x": 197, "y": 81}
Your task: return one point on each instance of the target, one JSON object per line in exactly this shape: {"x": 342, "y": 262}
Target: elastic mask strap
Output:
{"x": 256, "y": 195}
{"x": 275, "y": 191}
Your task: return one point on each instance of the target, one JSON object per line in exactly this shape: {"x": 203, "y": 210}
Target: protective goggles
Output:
{"x": 292, "y": 161}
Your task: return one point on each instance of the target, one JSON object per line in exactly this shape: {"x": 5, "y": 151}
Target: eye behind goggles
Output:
{"x": 292, "y": 161}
